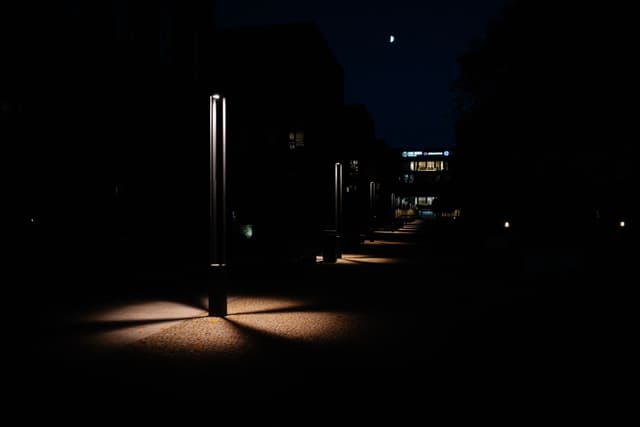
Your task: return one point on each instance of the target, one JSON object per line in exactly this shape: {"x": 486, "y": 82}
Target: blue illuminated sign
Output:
{"x": 412, "y": 153}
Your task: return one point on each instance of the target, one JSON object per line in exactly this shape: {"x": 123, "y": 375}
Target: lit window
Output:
{"x": 296, "y": 139}
{"x": 422, "y": 166}
{"x": 426, "y": 201}
{"x": 428, "y": 166}
{"x": 354, "y": 167}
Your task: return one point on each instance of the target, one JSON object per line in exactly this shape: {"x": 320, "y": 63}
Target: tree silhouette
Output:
{"x": 541, "y": 124}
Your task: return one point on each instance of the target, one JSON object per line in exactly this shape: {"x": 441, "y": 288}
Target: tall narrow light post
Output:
{"x": 218, "y": 276}
{"x": 338, "y": 206}
{"x": 393, "y": 210}
{"x": 372, "y": 208}
{"x": 372, "y": 195}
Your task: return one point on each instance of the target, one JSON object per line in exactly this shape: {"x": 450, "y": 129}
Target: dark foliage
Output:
{"x": 544, "y": 127}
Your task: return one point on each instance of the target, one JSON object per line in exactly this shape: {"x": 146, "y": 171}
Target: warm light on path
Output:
{"x": 293, "y": 319}
{"x": 178, "y": 328}
{"x": 121, "y": 324}
{"x": 171, "y": 328}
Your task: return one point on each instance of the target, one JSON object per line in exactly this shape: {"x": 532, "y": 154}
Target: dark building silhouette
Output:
{"x": 284, "y": 91}
{"x": 356, "y": 155}
{"x": 359, "y": 154}
{"x": 108, "y": 105}
{"x": 106, "y": 109}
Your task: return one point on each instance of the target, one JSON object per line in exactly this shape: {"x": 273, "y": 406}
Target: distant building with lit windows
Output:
{"x": 424, "y": 184}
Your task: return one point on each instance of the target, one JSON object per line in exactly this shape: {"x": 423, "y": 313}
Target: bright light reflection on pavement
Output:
{"x": 170, "y": 328}
{"x": 362, "y": 259}
{"x": 126, "y": 323}
{"x": 401, "y": 231}
{"x": 294, "y": 319}
{"x": 387, "y": 243}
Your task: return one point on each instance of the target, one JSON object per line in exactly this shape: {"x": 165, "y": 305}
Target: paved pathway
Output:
{"x": 386, "y": 323}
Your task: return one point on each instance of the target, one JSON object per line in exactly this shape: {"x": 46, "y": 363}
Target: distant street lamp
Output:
{"x": 394, "y": 209}
{"x": 372, "y": 196}
{"x": 218, "y": 206}
{"x": 372, "y": 208}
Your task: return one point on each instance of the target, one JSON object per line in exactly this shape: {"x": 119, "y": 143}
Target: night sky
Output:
{"x": 404, "y": 84}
